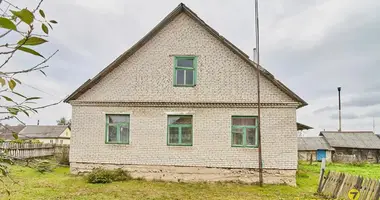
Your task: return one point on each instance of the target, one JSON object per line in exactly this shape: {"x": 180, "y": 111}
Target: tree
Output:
{"x": 31, "y": 27}
{"x": 63, "y": 121}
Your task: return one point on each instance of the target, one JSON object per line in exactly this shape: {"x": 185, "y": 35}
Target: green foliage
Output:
{"x": 63, "y": 157}
{"x": 100, "y": 175}
{"x": 32, "y": 41}
{"x": 121, "y": 175}
{"x": 45, "y": 29}
{"x": 7, "y": 24}
{"x": 18, "y": 141}
{"x": 31, "y": 51}
{"x": 22, "y": 22}
{"x": 2, "y": 140}
{"x": 44, "y": 166}
{"x": 35, "y": 141}
{"x": 63, "y": 121}
{"x": 24, "y": 15}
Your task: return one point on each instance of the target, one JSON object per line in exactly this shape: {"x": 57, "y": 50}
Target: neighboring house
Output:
{"x": 316, "y": 148}
{"x": 181, "y": 105}
{"x": 301, "y": 128}
{"x": 7, "y": 132}
{"x": 360, "y": 145}
{"x": 54, "y": 134}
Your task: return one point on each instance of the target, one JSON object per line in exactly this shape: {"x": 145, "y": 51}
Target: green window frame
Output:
{"x": 180, "y": 130}
{"x": 244, "y": 131}
{"x": 120, "y": 129}
{"x": 185, "y": 75}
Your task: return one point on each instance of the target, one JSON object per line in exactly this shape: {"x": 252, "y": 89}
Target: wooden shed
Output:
{"x": 315, "y": 148}
{"x": 353, "y": 145}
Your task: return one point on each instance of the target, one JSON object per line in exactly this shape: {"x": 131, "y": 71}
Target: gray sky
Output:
{"x": 312, "y": 46}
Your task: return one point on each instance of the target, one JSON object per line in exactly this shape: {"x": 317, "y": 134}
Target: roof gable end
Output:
{"x": 181, "y": 8}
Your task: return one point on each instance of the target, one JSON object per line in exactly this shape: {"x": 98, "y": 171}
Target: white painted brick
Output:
{"x": 147, "y": 76}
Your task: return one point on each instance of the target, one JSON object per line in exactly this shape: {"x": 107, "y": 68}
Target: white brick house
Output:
{"x": 181, "y": 104}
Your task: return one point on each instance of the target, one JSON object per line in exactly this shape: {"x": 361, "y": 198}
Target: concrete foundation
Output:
{"x": 195, "y": 174}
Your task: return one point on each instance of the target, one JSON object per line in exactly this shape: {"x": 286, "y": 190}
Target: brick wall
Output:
{"x": 147, "y": 75}
{"x": 211, "y": 139}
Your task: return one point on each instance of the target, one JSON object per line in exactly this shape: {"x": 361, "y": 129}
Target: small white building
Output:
{"x": 53, "y": 134}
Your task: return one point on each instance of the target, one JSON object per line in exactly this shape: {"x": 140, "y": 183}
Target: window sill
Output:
{"x": 180, "y": 145}
{"x": 250, "y": 147}
{"x": 116, "y": 143}
{"x": 184, "y": 85}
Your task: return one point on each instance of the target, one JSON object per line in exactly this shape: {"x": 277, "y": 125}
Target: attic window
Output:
{"x": 185, "y": 71}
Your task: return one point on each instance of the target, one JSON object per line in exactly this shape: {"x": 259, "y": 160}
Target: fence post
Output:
{"x": 311, "y": 159}
{"x": 321, "y": 174}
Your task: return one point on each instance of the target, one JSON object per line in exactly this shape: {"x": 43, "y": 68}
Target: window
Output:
{"x": 51, "y": 141}
{"x": 185, "y": 71}
{"x": 180, "y": 130}
{"x": 244, "y": 131}
{"x": 117, "y": 129}
{"x": 61, "y": 141}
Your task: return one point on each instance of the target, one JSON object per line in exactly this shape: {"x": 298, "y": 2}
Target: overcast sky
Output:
{"x": 312, "y": 46}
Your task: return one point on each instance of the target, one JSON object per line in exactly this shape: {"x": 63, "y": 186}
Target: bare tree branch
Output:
{"x": 38, "y": 6}
{"x": 9, "y": 3}
{"x": 36, "y": 67}
{"x": 19, "y": 120}
{"x": 14, "y": 51}
{"x": 6, "y": 118}
{"x": 6, "y": 10}
{"x": 36, "y": 108}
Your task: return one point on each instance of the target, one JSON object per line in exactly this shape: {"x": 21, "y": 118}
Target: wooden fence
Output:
{"x": 339, "y": 186}
{"x": 25, "y": 150}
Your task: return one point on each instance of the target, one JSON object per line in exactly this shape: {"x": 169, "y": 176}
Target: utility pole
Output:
{"x": 340, "y": 110}
{"x": 258, "y": 91}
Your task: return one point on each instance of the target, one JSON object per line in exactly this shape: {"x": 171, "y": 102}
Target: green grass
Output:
{"x": 61, "y": 185}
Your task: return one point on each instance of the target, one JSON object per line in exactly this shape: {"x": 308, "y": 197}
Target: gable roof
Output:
{"x": 181, "y": 8}
{"x": 313, "y": 143}
{"x": 6, "y": 132}
{"x": 352, "y": 139}
{"x": 38, "y": 131}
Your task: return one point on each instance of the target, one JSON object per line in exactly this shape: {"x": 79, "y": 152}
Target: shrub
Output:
{"x": 2, "y": 140}
{"x": 44, "y": 166}
{"x": 100, "y": 175}
{"x": 121, "y": 175}
{"x": 34, "y": 141}
{"x": 63, "y": 157}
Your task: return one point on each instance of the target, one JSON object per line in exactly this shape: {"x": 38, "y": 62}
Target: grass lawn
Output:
{"x": 61, "y": 185}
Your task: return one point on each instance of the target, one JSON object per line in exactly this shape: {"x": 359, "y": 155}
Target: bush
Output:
{"x": 100, "y": 175}
{"x": 34, "y": 141}
{"x": 63, "y": 157}
{"x": 121, "y": 175}
{"x": 44, "y": 166}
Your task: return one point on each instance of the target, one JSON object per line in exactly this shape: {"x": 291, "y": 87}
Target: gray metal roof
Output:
{"x": 38, "y": 131}
{"x": 313, "y": 143}
{"x": 352, "y": 139}
{"x": 6, "y": 132}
